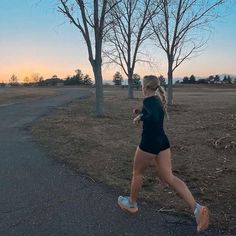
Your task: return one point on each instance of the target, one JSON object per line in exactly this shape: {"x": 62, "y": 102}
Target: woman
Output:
{"x": 155, "y": 145}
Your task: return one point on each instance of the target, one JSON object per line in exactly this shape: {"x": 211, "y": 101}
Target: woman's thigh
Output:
{"x": 163, "y": 164}
{"x": 142, "y": 160}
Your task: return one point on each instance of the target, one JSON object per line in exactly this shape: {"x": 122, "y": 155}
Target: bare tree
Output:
{"x": 26, "y": 80}
{"x": 13, "y": 80}
{"x": 181, "y": 29}
{"x": 35, "y": 78}
{"x": 89, "y": 17}
{"x": 129, "y": 20}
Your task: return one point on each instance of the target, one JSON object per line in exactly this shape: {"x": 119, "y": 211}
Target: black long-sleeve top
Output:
{"x": 153, "y": 117}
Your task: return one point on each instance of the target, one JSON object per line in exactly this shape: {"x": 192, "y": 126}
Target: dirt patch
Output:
{"x": 202, "y": 131}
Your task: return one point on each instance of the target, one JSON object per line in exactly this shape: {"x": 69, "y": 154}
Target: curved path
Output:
{"x": 40, "y": 196}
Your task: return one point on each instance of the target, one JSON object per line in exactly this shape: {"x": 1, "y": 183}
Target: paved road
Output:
{"x": 40, "y": 196}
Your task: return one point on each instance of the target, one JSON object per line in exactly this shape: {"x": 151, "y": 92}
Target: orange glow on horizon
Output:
{"x": 26, "y": 69}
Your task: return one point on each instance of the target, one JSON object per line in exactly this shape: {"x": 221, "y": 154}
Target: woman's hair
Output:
{"x": 153, "y": 83}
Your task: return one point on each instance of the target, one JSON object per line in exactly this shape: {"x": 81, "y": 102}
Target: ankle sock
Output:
{"x": 131, "y": 203}
{"x": 196, "y": 209}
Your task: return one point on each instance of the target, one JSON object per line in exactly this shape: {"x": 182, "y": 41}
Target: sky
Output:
{"x": 36, "y": 39}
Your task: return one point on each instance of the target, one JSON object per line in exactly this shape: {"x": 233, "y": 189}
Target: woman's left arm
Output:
{"x": 146, "y": 114}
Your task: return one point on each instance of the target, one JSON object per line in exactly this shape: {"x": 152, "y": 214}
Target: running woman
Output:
{"x": 155, "y": 145}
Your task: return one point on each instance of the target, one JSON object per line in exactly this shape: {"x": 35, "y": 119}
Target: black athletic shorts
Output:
{"x": 154, "y": 145}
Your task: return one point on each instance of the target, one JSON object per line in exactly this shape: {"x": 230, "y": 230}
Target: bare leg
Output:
{"x": 164, "y": 167}
{"x": 141, "y": 161}
{"x": 163, "y": 163}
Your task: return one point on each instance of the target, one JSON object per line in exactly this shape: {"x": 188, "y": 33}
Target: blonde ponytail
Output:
{"x": 161, "y": 92}
{"x": 153, "y": 83}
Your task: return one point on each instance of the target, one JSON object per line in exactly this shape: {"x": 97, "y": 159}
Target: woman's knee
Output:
{"x": 138, "y": 173}
{"x": 169, "y": 179}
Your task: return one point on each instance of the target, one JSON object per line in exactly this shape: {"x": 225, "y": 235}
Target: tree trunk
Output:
{"x": 99, "y": 90}
{"x": 130, "y": 86}
{"x": 170, "y": 84}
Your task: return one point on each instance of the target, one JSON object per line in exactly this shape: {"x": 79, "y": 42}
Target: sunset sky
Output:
{"x": 35, "y": 38}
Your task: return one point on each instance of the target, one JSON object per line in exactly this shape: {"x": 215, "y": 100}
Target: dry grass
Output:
{"x": 13, "y": 95}
{"x": 202, "y": 131}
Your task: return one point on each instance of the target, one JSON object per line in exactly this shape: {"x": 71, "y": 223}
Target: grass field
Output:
{"x": 18, "y": 94}
{"x": 201, "y": 129}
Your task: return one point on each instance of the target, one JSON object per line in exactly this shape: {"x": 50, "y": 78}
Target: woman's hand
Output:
{"x": 136, "y": 120}
{"x": 136, "y": 111}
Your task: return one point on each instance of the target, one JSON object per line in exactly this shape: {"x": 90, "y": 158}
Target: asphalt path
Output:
{"x": 41, "y": 196}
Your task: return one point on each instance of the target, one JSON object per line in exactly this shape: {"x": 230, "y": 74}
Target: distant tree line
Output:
{"x": 136, "y": 80}
{"x": 212, "y": 79}
{"x": 118, "y": 79}
{"x": 78, "y": 79}
{"x": 36, "y": 80}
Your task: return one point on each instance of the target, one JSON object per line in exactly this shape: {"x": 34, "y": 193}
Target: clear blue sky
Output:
{"x": 35, "y": 38}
